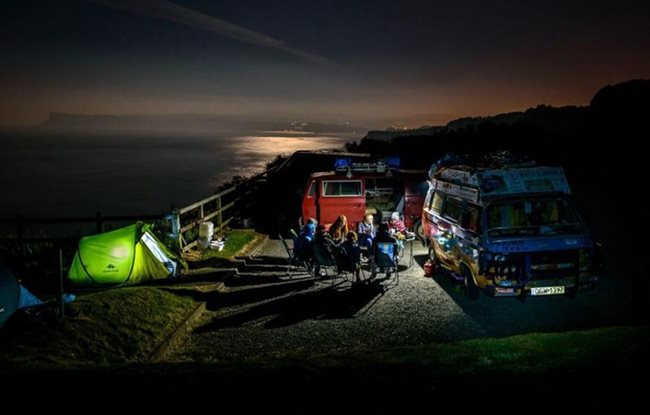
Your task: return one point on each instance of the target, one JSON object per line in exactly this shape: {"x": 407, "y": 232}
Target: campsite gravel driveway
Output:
{"x": 270, "y": 315}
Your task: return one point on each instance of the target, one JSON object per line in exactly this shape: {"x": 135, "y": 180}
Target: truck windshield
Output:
{"x": 550, "y": 215}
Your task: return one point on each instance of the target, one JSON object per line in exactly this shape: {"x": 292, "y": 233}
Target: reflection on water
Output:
{"x": 251, "y": 153}
{"x": 65, "y": 176}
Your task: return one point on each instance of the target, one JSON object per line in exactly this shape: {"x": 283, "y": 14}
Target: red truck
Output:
{"x": 355, "y": 189}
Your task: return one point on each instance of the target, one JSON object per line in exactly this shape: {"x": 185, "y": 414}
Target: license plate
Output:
{"x": 547, "y": 290}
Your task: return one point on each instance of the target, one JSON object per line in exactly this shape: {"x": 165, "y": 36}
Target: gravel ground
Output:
{"x": 274, "y": 316}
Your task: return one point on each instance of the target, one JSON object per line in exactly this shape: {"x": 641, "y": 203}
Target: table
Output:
{"x": 410, "y": 241}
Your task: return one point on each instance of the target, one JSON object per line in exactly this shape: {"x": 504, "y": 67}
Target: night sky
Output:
{"x": 370, "y": 63}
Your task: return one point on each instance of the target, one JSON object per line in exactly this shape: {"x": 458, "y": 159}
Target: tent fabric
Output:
{"x": 124, "y": 256}
{"x": 27, "y": 299}
{"x": 9, "y": 295}
{"x": 13, "y": 296}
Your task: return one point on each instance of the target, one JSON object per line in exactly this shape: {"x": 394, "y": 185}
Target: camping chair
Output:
{"x": 322, "y": 259}
{"x": 295, "y": 261}
{"x": 385, "y": 260}
{"x": 345, "y": 266}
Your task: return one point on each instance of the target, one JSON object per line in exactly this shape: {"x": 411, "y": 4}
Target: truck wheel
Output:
{"x": 471, "y": 289}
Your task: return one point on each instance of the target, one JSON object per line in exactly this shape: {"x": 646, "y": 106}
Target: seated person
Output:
{"x": 352, "y": 255}
{"x": 323, "y": 238}
{"x": 339, "y": 229}
{"x": 322, "y": 249}
{"x": 366, "y": 231}
{"x": 383, "y": 235}
{"x": 302, "y": 244}
{"x": 398, "y": 228}
{"x": 396, "y": 224}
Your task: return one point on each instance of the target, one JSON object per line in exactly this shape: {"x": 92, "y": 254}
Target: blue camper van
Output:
{"x": 507, "y": 229}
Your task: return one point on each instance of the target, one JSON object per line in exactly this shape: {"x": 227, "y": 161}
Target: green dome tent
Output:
{"x": 124, "y": 256}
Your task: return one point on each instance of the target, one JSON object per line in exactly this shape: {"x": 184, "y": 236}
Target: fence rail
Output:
{"x": 18, "y": 233}
{"x": 220, "y": 207}
{"x": 20, "y": 223}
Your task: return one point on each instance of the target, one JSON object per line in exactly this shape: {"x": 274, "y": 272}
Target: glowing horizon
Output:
{"x": 331, "y": 61}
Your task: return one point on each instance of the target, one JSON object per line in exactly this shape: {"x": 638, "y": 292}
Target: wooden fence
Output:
{"x": 36, "y": 248}
{"x": 19, "y": 224}
{"x": 219, "y": 208}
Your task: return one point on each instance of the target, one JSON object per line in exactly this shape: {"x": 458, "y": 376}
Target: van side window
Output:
{"x": 438, "y": 198}
{"x": 312, "y": 190}
{"x": 342, "y": 188}
{"x": 452, "y": 209}
{"x": 378, "y": 187}
{"x": 470, "y": 217}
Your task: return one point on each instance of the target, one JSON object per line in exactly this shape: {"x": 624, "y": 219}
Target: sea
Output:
{"x": 53, "y": 175}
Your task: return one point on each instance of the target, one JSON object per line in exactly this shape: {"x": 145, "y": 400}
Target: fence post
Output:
{"x": 20, "y": 233}
{"x": 60, "y": 297}
{"x": 219, "y": 218}
{"x": 100, "y": 223}
{"x": 176, "y": 227}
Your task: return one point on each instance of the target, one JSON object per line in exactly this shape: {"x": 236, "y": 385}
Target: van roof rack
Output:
{"x": 379, "y": 166}
{"x": 501, "y": 174}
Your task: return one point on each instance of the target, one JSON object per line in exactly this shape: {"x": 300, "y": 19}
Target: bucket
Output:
{"x": 203, "y": 242}
{"x": 429, "y": 268}
{"x": 206, "y": 230}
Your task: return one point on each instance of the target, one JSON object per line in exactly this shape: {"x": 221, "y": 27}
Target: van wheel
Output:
{"x": 471, "y": 289}
{"x": 419, "y": 230}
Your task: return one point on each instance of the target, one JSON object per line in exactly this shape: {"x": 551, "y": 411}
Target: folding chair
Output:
{"x": 295, "y": 261}
{"x": 385, "y": 260}
{"x": 322, "y": 259}
{"x": 344, "y": 265}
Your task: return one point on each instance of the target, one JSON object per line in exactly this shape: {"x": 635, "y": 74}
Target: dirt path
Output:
{"x": 265, "y": 314}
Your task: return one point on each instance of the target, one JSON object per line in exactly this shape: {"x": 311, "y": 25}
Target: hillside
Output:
{"x": 617, "y": 115}
{"x": 184, "y": 123}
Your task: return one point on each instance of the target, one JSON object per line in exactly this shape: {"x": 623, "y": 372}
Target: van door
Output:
{"x": 467, "y": 235}
{"x": 309, "y": 201}
{"x": 431, "y": 208}
{"x": 414, "y": 194}
{"x": 449, "y": 226}
{"x": 342, "y": 197}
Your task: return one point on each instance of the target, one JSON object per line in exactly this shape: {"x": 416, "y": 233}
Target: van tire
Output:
{"x": 471, "y": 289}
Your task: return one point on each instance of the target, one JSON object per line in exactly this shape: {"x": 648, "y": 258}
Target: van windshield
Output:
{"x": 551, "y": 215}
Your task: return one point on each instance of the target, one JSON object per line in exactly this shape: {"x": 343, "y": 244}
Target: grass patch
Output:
{"x": 110, "y": 327}
{"x": 614, "y": 347}
{"x": 239, "y": 242}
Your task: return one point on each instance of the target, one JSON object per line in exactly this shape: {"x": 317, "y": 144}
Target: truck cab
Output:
{"x": 356, "y": 189}
{"x": 507, "y": 230}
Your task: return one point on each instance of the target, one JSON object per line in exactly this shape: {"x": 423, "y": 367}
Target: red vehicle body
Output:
{"x": 356, "y": 192}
